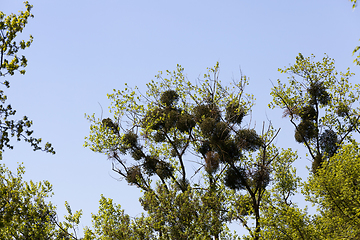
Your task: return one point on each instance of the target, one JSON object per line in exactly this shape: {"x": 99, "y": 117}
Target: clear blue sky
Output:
{"x": 82, "y": 50}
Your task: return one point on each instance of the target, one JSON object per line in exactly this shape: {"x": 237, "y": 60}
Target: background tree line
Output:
{"x": 199, "y": 164}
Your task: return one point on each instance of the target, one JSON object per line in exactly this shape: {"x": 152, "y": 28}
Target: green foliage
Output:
{"x": 195, "y": 213}
{"x": 357, "y": 48}
{"x": 167, "y": 122}
{"x": 188, "y": 220}
{"x": 10, "y": 27}
{"x": 357, "y": 59}
{"x": 241, "y": 175}
{"x": 282, "y": 218}
{"x": 320, "y": 103}
{"x": 354, "y": 3}
{"x": 24, "y": 213}
{"x": 69, "y": 227}
{"x": 10, "y": 62}
{"x": 334, "y": 190}
{"x": 238, "y": 175}
{"x": 112, "y": 223}
{"x": 174, "y": 118}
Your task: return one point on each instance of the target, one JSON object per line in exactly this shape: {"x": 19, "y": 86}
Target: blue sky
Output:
{"x": 82, "y": 50}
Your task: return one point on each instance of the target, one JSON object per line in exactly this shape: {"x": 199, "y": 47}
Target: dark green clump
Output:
{"x": 133, "y": 175}
{"x": 261, "y": 177}
{"x": 248, "y": 139}
{"x": 228, "y": 151}
{"x": 108, "y": 123}
{"x": 221, "y": 132}
{"x": 317, "y": 162}
{"x": 164, "y": 120}
{"x": 159, "y": 137}
{"x": 137, "y": 154}
{"x": 204, "y": 148}
{"x": 328, "y": 142}
{"x": 318, "y": 93}
{"x": 234, "y": 113}
{"x": 129, "y": 143}
{"x": 235, "y": 178}
{"x": 183, "y": 184}
{"x": 342, "y": 110}
{"x": 150, "y": 164}
{"x": 185, "y": 123}
{"x": 212, "y": 161}
{"x": 169, "y": 98}
{"x": 207, "y": 126}
{"x": 207, "y": 111}
{"x": 305, "y": 131}
{"x": 130, "y": 139}
{"x": 164, "y": 170}
{"x": 308, "y": 113}
{"x": 171, "y": 118}
{"x": 214, "y": 130}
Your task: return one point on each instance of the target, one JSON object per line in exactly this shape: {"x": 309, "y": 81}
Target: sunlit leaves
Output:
{"x": 10, "y": 62}
{"x": 24, "y": 211}
{"x": 319, "y": 102}
{"x": 335, "y": 191}
{"x": 157, "y": 131}
{"x": 10, "y": 27}
{"x": 354, "y": 3}
{"x": 112, "y": 223}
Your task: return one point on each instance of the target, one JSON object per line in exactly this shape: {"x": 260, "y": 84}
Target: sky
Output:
{"x": 82, "y": 50}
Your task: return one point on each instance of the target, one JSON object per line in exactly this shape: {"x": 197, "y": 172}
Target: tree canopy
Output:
{"x": 200, "y": 163}
{"x": 10, "y": 63}
{"x": 178, "y": 127}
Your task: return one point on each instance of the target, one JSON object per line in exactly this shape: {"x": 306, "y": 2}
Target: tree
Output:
{"x": 24, "y": 213}
{"x": 322, "y": 108}
{"x": 176, "y": 123}
{"x": 161, "y": 132}
{"x": 320, "y": 105}
{"x": 68, "y": 229}
{"x": 335, "y": 192}
{"x": 10, "y": 62}
{"x": 281, "y": 217}
{"x": 112, "y": 223}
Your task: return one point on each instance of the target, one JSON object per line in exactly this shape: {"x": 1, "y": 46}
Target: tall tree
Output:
{"x": 335, "y": 192}
{"x": 159, "y": 131}
{"x": 10, "y": 62}
{"x": 321, "y": 104}
{"x": 211, "y": 167}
